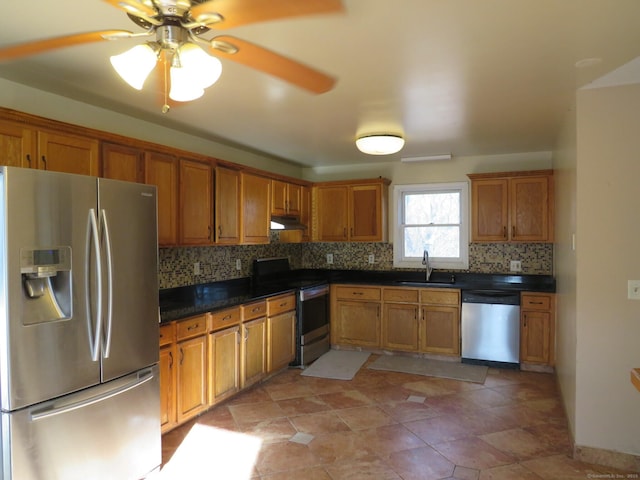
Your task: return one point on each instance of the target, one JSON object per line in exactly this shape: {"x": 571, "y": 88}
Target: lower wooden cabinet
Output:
{"x": 168, "y": 412}
{"x": 440, "y": 321}
{"x": 537, "y": 329}
{"x": 224, "y": 364}
{"x": 356, "y": 315}
{"x": 281, "y": 331}
{"x": 400, "y": 327}
{"x": 253, "y": 351}
{"x": 192, "y": 377}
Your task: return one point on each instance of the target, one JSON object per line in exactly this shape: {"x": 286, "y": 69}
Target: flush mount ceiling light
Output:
{"x": 380, "y": 144}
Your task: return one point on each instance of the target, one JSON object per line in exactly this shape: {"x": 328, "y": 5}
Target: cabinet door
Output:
{"x": 294, "y": 199}
{"x": 69, "y": 154}
{"x": 400, "y": 327}
{"x": 535, "y": 337}
{"x": 365, "y": 213}
{"x": 305, "y": 212}
{"x": 224, "y": 364}
{"x": 227, "y": 206}
{"x": 167, "y": 387}
{"x": 529, "y": 209}
{"x": 333, "y": 213}
{"x": 357, "y": 323}
{"x": 196, "y": 203}
{"x": 120, "y": 162}
{"x": 254, "y": 353}
{"x": 440, "y": 330}
{"x": 281, "y": 340}
{"x": 162, "y": 171}
{"x": 278, "y": 197}
{"x": 17, "y": 146}
{"x": 192, "y": 377}
{"x": 256, "y": 213}
{"x": 489, "y": 210}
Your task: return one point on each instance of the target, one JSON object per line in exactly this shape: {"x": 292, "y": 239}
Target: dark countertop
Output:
{"x": 183, "y": 302}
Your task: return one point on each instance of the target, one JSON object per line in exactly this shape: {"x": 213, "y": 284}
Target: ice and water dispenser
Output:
{"x": 46, "y": 277}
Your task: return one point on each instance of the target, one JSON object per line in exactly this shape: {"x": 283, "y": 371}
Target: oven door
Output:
{"x": 313, "y": 324}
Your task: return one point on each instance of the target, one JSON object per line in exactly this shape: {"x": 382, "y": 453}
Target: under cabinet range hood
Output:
{"x": 286, "y": 223}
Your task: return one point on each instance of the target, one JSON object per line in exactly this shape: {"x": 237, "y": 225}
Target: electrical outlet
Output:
{"x": 330, "y": 258}
{"x": 515, "y": 266}
{"x": 196, "y": 268}
{"x": 372, "y": 258}
{"x": 633, "y": 289}
{"x": 238, "y": 264}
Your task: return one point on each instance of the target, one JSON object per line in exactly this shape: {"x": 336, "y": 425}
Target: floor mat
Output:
{"x": 337, "y": 364}
{"x": 431, "y": 368}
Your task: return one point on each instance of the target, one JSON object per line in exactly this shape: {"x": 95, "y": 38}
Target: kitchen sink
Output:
{"x": 440, "y": 281}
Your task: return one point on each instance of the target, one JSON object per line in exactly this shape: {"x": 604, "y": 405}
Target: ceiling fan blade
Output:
{"x": 266, "y": 61}
{"x": 40, "y": 46}
{"x": 243, "y": 12}
{"x": 134, "y": 7}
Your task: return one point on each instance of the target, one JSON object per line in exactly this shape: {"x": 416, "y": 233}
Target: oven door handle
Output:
{"x": 313, "y": 292}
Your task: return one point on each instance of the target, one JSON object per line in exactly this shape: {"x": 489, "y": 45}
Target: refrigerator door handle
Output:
{"x": 53, "y": 411}
{"x": 106, "y": 344}
{"x": 92, "y": 234}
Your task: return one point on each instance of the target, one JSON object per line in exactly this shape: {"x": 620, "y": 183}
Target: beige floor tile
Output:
{"x": 519, "y": 443}
{"x": 371, "y": 468}
{"x": 509, "y": 472}
{"x": 443, "y": 428}
{"x": 345, "y": 399}
{"x": 472, "y": 452}
{"x": 283, "y": 456}
{"x": 304, "y": 405}
{"x": 340, "y": 446}
{"x": 422, "y": 463}
{"x": 359, "y": 418}
{"x": 320, "y": 423}
{"x": 284, "y": 391}
{"x": 314, "y": 473}
{"x": 390, "y": 439}
{"x": 255, "y": 412}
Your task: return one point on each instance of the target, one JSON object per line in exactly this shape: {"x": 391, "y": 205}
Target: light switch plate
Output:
{"x": 238, "y": 264}
{"x": 515, "y": 266}
{"x": 330, "y": 258}
{"x": 633, "y": 289}
{"x": 372, "y": 258}
{"x": 196, "y": 268}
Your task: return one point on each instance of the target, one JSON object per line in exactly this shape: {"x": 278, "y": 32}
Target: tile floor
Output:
{"x": 382, "y": 426}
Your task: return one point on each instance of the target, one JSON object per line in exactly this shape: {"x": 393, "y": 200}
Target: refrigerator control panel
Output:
{"x": 45, "y": 262}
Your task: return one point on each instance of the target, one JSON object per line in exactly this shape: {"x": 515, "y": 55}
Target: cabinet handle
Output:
{"x": 345, "y": 232}
{"x": 181, "y": 355}
{"x": 44, "y": 160}
{"x": 504, "y": 232}
{"x": 192, "y": 327}
{"x": 284, "y": 304}
{"x": 358, "y": 293}
{"x": 219, "y": 230}
{"x": 255, "y": 309}
{"x": 226, "y": 317}
{"x": 210, "y": 233}
{"x": 513, "y": 231}
{"x": 171, "y": 359}
{"x": 238, "y": 337}
{"x": 29, "y": 159}
{"x": 525, "y": 320}
{"x": 536, "y": 303}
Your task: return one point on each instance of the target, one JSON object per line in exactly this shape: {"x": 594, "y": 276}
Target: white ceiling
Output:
{"x": 469, "y": 77}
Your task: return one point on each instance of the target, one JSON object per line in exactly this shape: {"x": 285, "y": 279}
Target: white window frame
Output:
{"x": 460, "y": 263}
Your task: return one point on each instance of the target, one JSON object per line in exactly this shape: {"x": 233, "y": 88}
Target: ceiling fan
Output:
{"x": 179, "y": 26}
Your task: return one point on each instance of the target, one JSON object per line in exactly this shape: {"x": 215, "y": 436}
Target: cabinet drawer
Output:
{"x": 440, "y": 296}
{"x": 281, "y": 304}
{"x": 357, "y": 293}
{"x": 535, "y": 302}
{"x": 192, "y": 326}
{"x": 409, "y": 295}
{"x": 225, "y": 318}
{"x": 167, "y": 333}
{"x": 254, "y": 310}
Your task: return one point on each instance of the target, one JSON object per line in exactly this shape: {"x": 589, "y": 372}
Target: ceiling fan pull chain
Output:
{"x": 165, "y": 107}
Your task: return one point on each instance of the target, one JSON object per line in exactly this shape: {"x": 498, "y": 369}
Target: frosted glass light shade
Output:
{"x": 183, "y": 86}
{"x": 380, "y": 144}
{"x": 204, "y": 68}
{"x": 135, "y": 65}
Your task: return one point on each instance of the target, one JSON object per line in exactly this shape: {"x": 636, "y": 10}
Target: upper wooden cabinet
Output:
{"x": 285, "y": 198}
{"x": 256, "y": 213}
{"x": 512, "y": 206}
{"x": 227, "y": 205}
{"x": 17, "y": 145}
{"x": 161, "y": 170}
{"x": 196, "y": 202}
{"x": 352, "y": 211}
{"x": 121, "y": 162}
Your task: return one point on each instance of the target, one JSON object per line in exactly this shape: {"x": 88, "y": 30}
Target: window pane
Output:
{"x": 426, "y": 208}
{"x": 443, "y": 242}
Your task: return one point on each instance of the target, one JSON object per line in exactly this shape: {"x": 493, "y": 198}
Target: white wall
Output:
{"x": 608, "y": 238}
{"x": 565, "y": 164}
{"x": 37, "y": 102}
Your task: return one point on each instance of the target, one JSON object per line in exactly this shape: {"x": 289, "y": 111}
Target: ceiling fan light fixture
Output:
{"x": 135, "y": 65}
{"x": 380, "y": 144}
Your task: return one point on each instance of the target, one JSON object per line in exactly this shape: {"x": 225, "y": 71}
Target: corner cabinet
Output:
{"x": 352, "y": 211}
{"x": 537, "y": 329}
{"x": 512, "y": 206}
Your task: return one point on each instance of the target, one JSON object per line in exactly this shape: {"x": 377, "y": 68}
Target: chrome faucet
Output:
{"x": 425, "y": 262}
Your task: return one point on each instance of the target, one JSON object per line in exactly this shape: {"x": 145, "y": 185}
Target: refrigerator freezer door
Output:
{"x": 130, "y": 273}
{"x": 44, "y": 354}
{"x": 111, "y": 431}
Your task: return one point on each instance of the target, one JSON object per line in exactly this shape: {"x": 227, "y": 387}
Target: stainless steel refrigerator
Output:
{"x": 79, "y": 387}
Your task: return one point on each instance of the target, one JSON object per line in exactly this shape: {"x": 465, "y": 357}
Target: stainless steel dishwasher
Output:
{"x": 491, "y": 327}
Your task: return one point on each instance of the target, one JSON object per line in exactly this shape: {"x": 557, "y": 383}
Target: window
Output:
{"x": 432, "y": 217}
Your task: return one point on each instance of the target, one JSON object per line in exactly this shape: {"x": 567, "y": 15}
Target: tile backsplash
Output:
{"x": 217, "y": 263}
